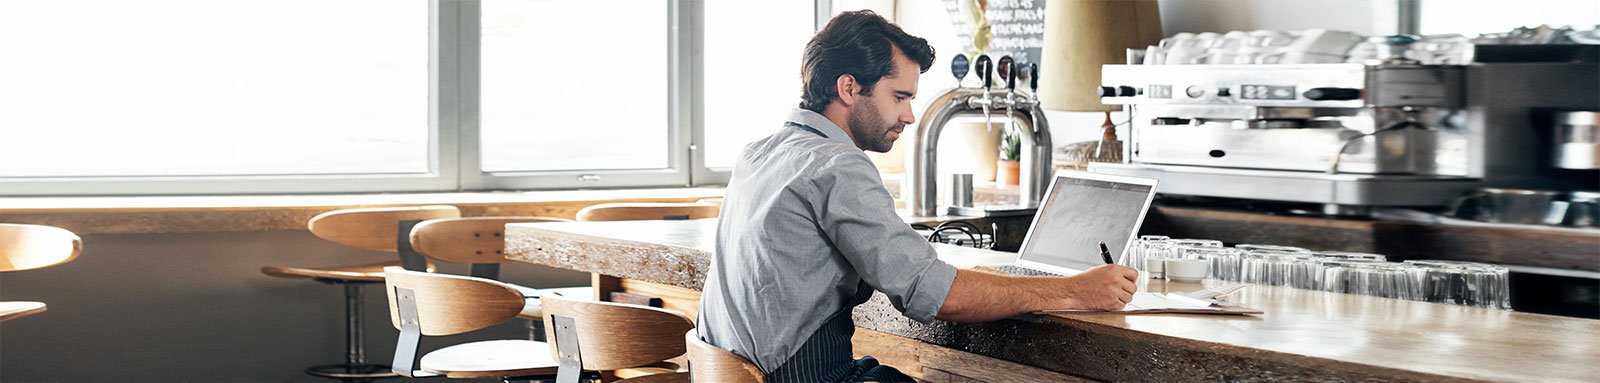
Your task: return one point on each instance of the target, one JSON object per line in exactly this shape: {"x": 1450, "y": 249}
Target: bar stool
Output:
{"x": 589, "y": 336}
{"x": 709, "y": 363}
{"x": 642, "y": 211}
{"x": 431, "y": 304}
{"x": 28, "y": 247}
{"x": 379, "y": 229}
{"x": 480, "y": 242}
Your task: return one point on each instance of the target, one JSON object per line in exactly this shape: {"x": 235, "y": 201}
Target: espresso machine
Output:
{"x": 1384, "y": 129}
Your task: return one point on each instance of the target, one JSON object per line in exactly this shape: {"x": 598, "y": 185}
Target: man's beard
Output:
{"x": 869, "y": 131}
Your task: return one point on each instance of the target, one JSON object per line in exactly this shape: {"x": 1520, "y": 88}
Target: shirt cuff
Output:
{"x": 930, "y": 291}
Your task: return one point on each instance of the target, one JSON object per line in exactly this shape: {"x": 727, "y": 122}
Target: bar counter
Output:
{"x": 1303, "y": 335}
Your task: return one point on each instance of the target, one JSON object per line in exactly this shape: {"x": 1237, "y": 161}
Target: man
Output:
{"x": 808, "y": 230}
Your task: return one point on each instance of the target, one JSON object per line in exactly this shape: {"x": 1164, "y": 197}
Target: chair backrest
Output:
{"x": 467, "y": 240}
{"x": 614, "y": 335}
{"x": 373, "y": 228}
{"x": 450, "y": 304}
{"x": 709, "y": 363}
{"x": 713, "y": 201}
{"x": 27, "y": 247}
{"x": 647, "y": 211}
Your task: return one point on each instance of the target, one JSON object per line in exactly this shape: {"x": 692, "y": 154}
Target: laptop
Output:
{"x": 1079, "y": 210}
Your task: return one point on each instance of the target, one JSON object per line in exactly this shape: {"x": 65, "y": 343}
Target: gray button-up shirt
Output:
{"x": 806, "y": 229}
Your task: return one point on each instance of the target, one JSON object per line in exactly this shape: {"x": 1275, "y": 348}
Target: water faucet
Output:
{"x": 919, "y": 189}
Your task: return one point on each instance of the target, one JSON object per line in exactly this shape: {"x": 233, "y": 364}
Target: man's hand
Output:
{"x": 1106, "y": 287}
{"x": 981, "y": 294}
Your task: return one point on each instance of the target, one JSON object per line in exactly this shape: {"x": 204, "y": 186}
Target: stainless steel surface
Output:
{"x": 919, "y": 191}
{"x": 961, "y": 189}
{"x": 1278, "y": 185}
{"x": 1577, "y": 141}
{"x": 991, "y": 211}
{"x": 1498, "y": 205}
{"x": 1582, "y": 210}
{"x": 1355, "y": 134}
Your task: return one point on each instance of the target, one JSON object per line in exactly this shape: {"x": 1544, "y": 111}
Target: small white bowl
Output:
{"x": 1186, "y": 270}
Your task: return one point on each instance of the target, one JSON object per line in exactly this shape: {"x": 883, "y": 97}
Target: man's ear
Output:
{"x": 848, "y": 89}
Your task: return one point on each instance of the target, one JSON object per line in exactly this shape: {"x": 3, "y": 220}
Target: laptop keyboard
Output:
{"x": 1018, "y": 270}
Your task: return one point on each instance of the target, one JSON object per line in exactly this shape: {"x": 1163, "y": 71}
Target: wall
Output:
{"x": 196, "y": 308}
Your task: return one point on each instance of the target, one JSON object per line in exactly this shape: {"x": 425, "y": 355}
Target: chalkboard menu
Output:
{"x": 1016, "y": 27}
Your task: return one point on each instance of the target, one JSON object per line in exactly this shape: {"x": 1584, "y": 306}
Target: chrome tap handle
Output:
{"x": 1007, "y": 72}
{"x": 985, "y": 68}
{"x": 1033, "y": 78}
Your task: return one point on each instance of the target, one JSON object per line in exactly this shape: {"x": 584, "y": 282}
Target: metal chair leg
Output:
{"x": 355, "y": 364}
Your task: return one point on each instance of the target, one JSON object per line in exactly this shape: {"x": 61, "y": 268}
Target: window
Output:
{"x": 752, "y": 80}
{"x": 293, "y": 96}
{"x": 119, "y": 88}
{"x": 565, "y": 88}
{"x": 1473, "y": 17}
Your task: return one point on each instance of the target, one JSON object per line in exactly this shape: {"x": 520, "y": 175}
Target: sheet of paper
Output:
{"x": 1152, "y": 301}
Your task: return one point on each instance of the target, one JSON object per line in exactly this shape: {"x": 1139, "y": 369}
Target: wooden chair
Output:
{"x": 431, "y": 304}
{"x": 709, "y": 363}
{"x": 643, "y": 211}
{"x": 589, "y": 336}
{"x": 711, "y": 201}
{"x": 28, "y": 247}
{"x": 480, "y": 242}
{"x": 378, "y": 229}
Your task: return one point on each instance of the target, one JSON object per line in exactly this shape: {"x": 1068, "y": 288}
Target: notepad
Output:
{"x": 1152, "y": 303}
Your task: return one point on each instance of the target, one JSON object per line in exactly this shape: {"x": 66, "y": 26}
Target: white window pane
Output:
{"x": 752, "y": 71}
{"x": 201, "y": 87}
{"x": 574, "y": 85}
{"x": 1473, "y": 17}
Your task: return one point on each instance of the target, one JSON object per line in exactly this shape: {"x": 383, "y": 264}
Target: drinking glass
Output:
{"x": 1282, "y": 249}
{"x": 1308, "y": 274}
{"x": 1379, "y": 279}
{"x": 1141, "y": 249}
{"x": 1178, "y": 244}
{"x": 1269, "y": 267}
{"x": 1461, "y": 283}
{"x": 1349, "y": 256}
{"x": 1224, "y": 261}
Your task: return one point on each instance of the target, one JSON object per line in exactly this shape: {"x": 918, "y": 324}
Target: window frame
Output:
{"x": 454, "y": 150}
{"x": 822, "y": 11}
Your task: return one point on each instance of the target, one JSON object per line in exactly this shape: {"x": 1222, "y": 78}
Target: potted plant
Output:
{"x": 1007, "y": 169}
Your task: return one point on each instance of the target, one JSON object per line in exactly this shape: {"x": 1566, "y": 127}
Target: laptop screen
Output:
{"x": 1078, "y": 214}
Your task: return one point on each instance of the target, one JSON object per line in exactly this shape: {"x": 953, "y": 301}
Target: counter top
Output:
{"x": 1304, "y": 335}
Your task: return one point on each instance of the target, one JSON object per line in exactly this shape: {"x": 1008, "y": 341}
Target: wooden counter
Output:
{"x": 1304, "y": 335}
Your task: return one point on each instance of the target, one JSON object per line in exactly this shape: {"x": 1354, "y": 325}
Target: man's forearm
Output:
{"x": 978, "y": 296}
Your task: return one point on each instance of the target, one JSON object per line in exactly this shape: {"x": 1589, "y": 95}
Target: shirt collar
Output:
{"x": 821, "y": 124}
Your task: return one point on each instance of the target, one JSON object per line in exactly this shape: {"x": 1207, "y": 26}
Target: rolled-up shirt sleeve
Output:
{"x": 858, "y": 217}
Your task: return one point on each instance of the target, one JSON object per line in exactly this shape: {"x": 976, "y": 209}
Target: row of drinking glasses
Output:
{"x": 1462, "y": 283}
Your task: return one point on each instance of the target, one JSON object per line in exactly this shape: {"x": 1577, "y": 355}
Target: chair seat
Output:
{"x": 491, "y": 359}
{"x": 666, "y": 377}
{"x": 536, "y": 312}
{"x": 18, "y": 309}
{"x": 357, "y": 273}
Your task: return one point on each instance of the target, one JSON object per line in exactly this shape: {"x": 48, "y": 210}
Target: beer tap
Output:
{"x": 1008, "y": 71}
{"x": 985, "y": 67}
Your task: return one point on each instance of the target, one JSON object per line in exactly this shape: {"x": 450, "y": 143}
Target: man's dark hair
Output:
{"x": 856, "y": 43}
